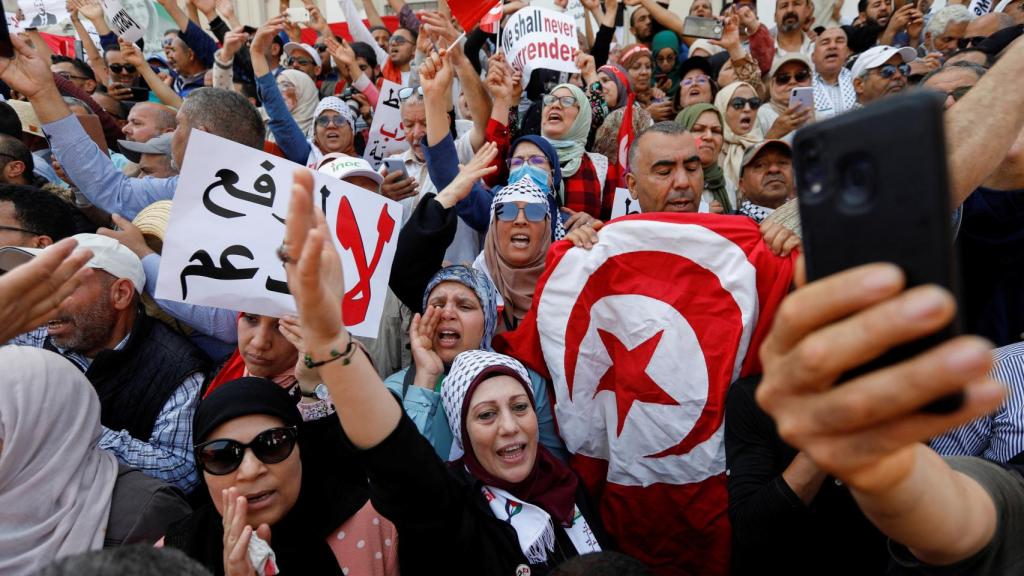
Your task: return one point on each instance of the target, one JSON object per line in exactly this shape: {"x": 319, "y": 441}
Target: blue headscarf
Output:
{"x": 557, "y": 231}
{"x": 481, "y": 285}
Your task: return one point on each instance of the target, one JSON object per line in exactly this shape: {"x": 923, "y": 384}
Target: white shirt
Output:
{"x": 829, "y": 100}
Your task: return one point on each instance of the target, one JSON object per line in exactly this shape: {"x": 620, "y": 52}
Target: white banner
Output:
{"x": 121, "y": 22}
{"x": 228, "y": 221}
{"x": 624, "y": 205}
{"x": 13, "y": 22}
{"x": 535, "y": 38}
{"x": 43, "y": 13}
{"x": 387, "y": 135}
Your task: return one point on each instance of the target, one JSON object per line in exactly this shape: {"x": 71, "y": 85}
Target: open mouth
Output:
{"x": 58, "y": 326}
{"x": 746, "y": 122}
{"x": 554, "y": 116}
{"x": 448, "y": 338}
{"x": 521, "y": 241}
{"x": 679, "y": 205}
{"x": 831, "y": 56}
{"x": 512, "y": 453}
{"x": 259, "y": 499}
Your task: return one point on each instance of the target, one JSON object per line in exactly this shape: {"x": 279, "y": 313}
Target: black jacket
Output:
{"x": 444, "y": 523}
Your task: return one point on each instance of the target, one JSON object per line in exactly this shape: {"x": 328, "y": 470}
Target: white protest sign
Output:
{"x": 980, "y": 7}
{"x": 535, "y": 38}
{"x": 121, "y": 22}
{"x": 43, "y": 13}
{"x": 13, "y": 22}
{"x": 387, "y": 136}
{"x": 228, "y": 221}
{"x": 624, "y": 205}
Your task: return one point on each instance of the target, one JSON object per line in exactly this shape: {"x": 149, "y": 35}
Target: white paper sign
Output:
{"x": 228, "y": 221}
{"x": 537, "y": 38}
{"x": 387, "y": 135}
{"x": 623, "y": 205}
{"x": 121, "y": 22}
{"x": 42, "y": 13}
{"x": 13, "y": 22}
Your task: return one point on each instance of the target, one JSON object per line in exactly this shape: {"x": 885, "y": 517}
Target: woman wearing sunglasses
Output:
{"x": 294, "y": 484}
{"x": 59, "y": 493}
{"x": 738, "y": 102}
{"x": 507, "y": 505}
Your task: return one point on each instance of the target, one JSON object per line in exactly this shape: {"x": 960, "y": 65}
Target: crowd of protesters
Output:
{"x": 140, "y": 435}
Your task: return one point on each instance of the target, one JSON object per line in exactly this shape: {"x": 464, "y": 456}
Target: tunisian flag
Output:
{"x": 641, "y": 337}
{"x": 469, "y": 12}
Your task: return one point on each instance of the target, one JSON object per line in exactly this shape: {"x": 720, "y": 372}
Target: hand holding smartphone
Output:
{"x": 802, "y": 95}
{"x": 697, "y": 27}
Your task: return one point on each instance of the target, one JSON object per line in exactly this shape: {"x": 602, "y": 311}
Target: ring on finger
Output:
{"x": 283, "y": 255}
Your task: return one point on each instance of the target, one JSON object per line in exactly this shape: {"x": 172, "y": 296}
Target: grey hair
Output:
{"x": 955, "y": 14}
{"x": 137, "y": 559}
{"x": 667, "y": 127}
{"x": 225, "y": 113}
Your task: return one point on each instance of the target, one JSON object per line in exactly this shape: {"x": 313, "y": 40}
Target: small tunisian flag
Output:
{"x": 641, "y": 337}
{"x": 470, "y": 12}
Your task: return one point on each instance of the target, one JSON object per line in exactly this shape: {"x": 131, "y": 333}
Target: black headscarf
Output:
{"x": 333, "y": 484}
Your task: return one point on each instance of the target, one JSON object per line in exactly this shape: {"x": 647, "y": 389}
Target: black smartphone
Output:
{"x": 873, "y": 186}
{"x": 248, "y": 29}
{"x": 697, "y": 27}
{"x": 6, "y": 48}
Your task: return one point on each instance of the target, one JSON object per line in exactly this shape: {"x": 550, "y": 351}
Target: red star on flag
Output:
{"x": 627, "y": 376}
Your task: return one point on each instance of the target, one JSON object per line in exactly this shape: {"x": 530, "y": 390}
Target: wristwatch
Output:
{"x": 320, "y": 392}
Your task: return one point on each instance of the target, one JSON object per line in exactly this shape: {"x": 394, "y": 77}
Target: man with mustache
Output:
{"x": 833, "y": 83}
{"x": 791, "y": 17}
{"x": 881, "y": 71}
{"x": 766, "y": 179}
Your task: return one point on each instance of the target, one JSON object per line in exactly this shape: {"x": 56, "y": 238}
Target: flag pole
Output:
{"x": 497, "y": 28}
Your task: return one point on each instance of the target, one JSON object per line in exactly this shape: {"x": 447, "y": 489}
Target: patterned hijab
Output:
{"x": 481, "y": 285}
{"x": 572, "y": 149}
{"x": 330, "y": 103}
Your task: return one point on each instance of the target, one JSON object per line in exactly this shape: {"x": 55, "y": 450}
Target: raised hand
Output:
{"x": 588, "y": 69}
{"x": 481, "y": 165}
{"x": 26, "y": 73}
{"x": 238, "y": 533}
{"x": 499, "y": 82}
{"x": 233, "y": 42}
{"x": 730, "y": 34}
{"x": 439, "y": 27}
{"x": 131, "y": 53}
{"x": 91, "y": 9}
{"x": 436, "y": 73}
{"x": 129, "y": 235}
{"x": 429, "y": 366}
{"x": 207, "y": 7}
{"x": 343, "y": 54}
{"x": 265, "y": 35}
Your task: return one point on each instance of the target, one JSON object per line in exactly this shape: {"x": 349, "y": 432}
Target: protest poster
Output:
{"x": 535, "y": 38}
{"x": 387, "y": 136}
{"x": 13, "y": 21}
{"x": 228, "y": 221}
{"x": 42, "y": 13}
{"x": 624, "y": 205}
{"x": 121, "y": 21}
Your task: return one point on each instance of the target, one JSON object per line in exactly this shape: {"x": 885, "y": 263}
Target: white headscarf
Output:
{"x": 731, "y": 157}
{"x": 306, "y": 95}
{"x": 55, "y": 484}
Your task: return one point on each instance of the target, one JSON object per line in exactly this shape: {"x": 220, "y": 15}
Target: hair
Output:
{"x": 989, "y": 58}
{"x": 225, "y": 113}
{"x": 979, "y": 71}
{"x": 165, "y": 117}
{"x": 12, "y": 148}
{"x": 137, "y": 559}
{"x": 39, "y": 210}
{"x": 413, "y": 33}
{"x": 379, "y": 27}
{"x": 606, "y": 141}
{"x": 366, "y": 52}
{"x": 604, "y": 563}
{"x": 10, "y": 123}
{"x": 82, "y": 68}
{"x": 667, "y": 127}
{"x": 954, "y": 14}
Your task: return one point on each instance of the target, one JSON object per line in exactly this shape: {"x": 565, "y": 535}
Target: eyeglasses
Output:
{"x": 119, "y": 68}
{"x": 324, "y": 121}
{"x": 398, "y": 41}
{"x": 509, "y": 211}
{"x": 220, "y": 457}
{"x": 69, "y": 76}
{"x": 964, "y": 43}
{"x": 890, "y": 70}
{"x": 535, "y": 160}
{"x": 22, "y": 230}
{"x": 299, "y": 61}
{"x": 738, "y": 103}
{"x": 407, "y": 92}
{"x": 801, "y": 76}
{"x": 956, "y": 93}
{"x": 565, "y": 101}
{"x": 695, "y": 80}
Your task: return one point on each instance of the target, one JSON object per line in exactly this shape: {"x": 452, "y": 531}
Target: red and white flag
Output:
{"x": 490, "y": 22}
{"x": 641, "y": 337}
{"x": 470, "y": 12}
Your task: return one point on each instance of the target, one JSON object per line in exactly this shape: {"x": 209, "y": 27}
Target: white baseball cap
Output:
{"x": 309, "y": 50}
{"x": 342, "y": 166}
{"x": 874, "y": 57}
{"x": 108, "y": 255}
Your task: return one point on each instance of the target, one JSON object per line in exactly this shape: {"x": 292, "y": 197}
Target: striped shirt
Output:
{"x": 999, "y": 436}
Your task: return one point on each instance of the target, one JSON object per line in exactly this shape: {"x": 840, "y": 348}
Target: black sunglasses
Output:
{"x": 801, "y": 76}
{"x": 890, "y": 70}
{"x": 118, "y": 68}
{"x": 964, "y": 43}
{"x": 220, "y": 457}
{"x": 299, "y": 61}
{"x": 738, "y": 103}
{"x": 509, "y": 211}
{"x": 23, "y": 230}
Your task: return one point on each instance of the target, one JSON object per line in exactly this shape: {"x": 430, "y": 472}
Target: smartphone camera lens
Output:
{"x": 811, "y": 175}
{"x": 718, "y": 30}
{"x": 858, "y": 183}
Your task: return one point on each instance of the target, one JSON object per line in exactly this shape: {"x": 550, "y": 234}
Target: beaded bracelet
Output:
{"x": 345, "y": 356}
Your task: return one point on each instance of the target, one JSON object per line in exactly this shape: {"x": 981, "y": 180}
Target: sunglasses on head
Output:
{"x": 565, "y": 101}
{"x": 119, "y": 68}
{"x": 324, "y": 121}
{"x": 889, "y": 70}
{"x": 407, "y": 92}
{"x": 965, "y": 43}
{"x": 801, "y": 76}
{"x": 220, "y": 457}
{"x": 535, "y": 160}
{"x": 509, "y": 211}
{"x": 737, "y": 103}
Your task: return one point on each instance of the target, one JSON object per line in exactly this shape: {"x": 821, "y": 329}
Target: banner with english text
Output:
{"x": 228, "y": 220}
{"x": 534, "y": 38}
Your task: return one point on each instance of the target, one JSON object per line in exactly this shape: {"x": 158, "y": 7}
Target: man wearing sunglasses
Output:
{"x": 779, "y": 118}
{"x": 304, "y": 58}
{"x": 881, "y": 71}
